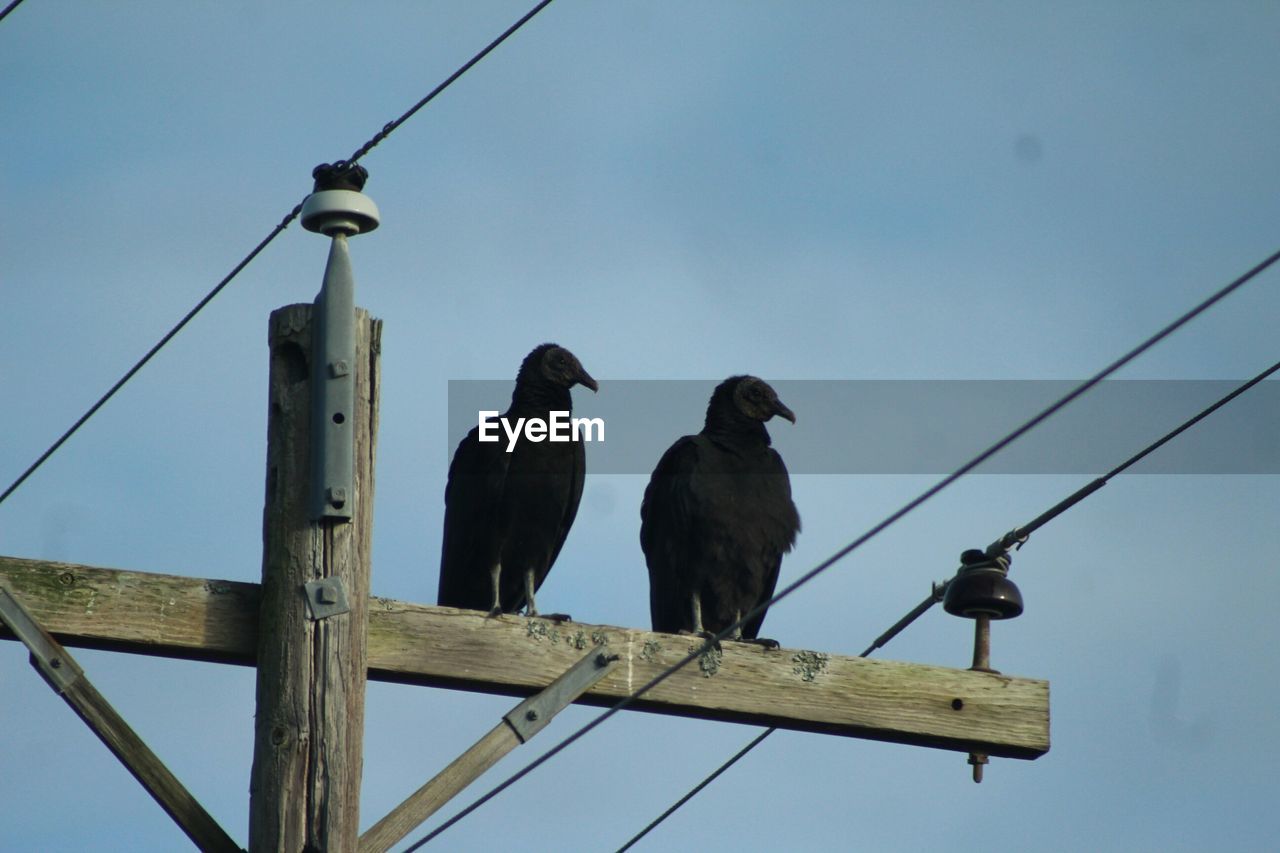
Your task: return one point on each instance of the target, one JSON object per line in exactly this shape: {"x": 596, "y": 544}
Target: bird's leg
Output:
{"x": 759, "y": 641}
{"x": 494, "y": 575}
{"x": 695, "y": 602}
{"x": 531, "y": 608}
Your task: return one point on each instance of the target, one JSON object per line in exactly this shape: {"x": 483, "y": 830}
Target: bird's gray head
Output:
{"x": 555, "y": 364}
{"x": 756, "y": 399}
{"x": 742, "y": 404}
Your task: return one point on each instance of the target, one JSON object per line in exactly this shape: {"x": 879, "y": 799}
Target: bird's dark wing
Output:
{"x": 543, "y": 489}
{"x": 778, "y": 525}
{"x": 472, "y": 505}
{"x": 666, "y": 520}
{"x": 577, "y": 477}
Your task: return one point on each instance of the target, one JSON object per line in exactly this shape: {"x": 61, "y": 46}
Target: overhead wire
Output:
{"x": 1015, "y": 537}
{"x": 715, "y": 774}
{"x": 879, "y": 642}
{"x": 1019, "y": 535}
{"x": 360, "y": 152}
{"x": 891, "y": 519}
{"x": 390, "y": 126}
{"x": 111, "y": 392}
{"x": 4, "y": 13}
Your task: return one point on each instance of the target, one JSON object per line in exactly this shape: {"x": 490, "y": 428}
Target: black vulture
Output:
{"x": 507, "y": 513}
{"x": 717, "y": 517}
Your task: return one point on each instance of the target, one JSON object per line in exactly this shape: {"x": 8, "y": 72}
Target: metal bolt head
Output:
{"x": 339, "y": 368}
{"x": 531, "y": 715}
{"x": 56, "y": 663}
{"x": 325, "y": 595}
{"x": 977, "y": 759}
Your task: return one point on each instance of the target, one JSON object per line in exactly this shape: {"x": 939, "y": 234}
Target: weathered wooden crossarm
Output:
{"x": 138, "y": 612}
{"x": 791, "y": 689}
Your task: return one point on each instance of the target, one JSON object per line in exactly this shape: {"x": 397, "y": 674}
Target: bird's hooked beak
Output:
{"x": 783, "y": 412}
{"x": 583, "y": 378}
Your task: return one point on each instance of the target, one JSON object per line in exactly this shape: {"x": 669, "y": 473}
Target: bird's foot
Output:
{"x": 551, "y": 617}
{"x": 709, "y": 636}
{"x": 493, "y": 611}
{"x": 761, "y": 641}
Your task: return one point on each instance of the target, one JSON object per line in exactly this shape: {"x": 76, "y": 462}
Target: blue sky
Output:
{"x": 674, "y": 191}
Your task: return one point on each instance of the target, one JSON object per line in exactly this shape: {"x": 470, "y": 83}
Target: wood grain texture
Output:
{"x": 309, "y": 724}
{"x": 139, "y": 612}
{"x": 511, "y": 655}
{"x": 788, "y": 688}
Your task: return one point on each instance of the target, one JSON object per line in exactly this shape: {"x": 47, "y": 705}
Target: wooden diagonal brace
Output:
{"x": 67, "y": 679}
{"x": 517, "y": 727}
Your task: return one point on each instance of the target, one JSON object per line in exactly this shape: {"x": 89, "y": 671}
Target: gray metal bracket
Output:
{"x": 326, "y": 597}
{"x": 530, "y": 716}
{"x": 46, "y": 655}
{"x": 333, "y": 394}
{"x": 338, "y": 210}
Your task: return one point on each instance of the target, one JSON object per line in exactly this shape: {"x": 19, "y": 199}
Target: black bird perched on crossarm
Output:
{"x": 717, "y": 517}
{"x": 506, "y": 513}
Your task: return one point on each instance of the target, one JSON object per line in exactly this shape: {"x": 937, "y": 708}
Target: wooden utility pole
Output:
{"x": 308, "y": 733}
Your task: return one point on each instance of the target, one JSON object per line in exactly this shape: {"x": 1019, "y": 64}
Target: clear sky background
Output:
{"x": 673, "y": 191}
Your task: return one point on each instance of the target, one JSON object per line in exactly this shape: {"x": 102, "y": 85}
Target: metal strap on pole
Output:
{"x": 338, "y": 210}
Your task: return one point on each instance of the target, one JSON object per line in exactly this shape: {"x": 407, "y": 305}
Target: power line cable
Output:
{"x": 696, "y": 788}
{"x": 915, "y": 613}
{"x": 390, "y": 126}
{"x": 1016, "y": 537}
{"x": 284, "y": 223}
{"x": 4, "y": 13}
{"x": 387, "y": 129}
{"x": 894, "y": 517}
{"x": 1019, "y": 535}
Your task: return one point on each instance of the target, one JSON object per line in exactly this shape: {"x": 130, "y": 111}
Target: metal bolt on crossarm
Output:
{"x": 982, "y": 591}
